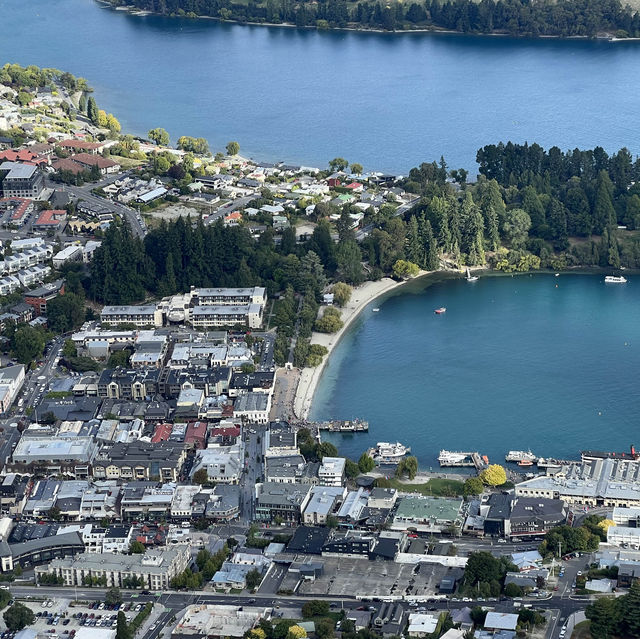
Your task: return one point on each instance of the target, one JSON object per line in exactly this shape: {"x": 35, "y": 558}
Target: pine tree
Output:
{"x": 432, "y": 261}
{"x": 415, "y": 247}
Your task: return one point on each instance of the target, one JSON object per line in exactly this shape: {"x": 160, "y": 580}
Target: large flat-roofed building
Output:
{"x": 216, "y": 307}
{"x": 331, "y": 472}
{"x": 59, "y": 455}
{"x": 595, "y": 482}
{"x": 155, "y": 568}
{"x": 38, "y": 297}
{"x": 323, "y": 500}
{"x": 21, "y": 180}
{"x": 284, "y": 501}
{"x": 217, "y": 621}
{"x": 212, "y": 316}
{"x": 535, "y": 516}
{"x": 141, "y": 461}
{"x": 141, "y": 316}
{"x": 228, "y": 296}
{"x": 222, "y": 463}
{"x": 428, "y": 514}
{"x": 11, "y": 380}
{"x": 254, "y": 407}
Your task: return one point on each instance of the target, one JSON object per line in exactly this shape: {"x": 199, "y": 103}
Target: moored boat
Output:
{"x": 440, "y": 311}
{"x": 520, "y": 455}
{"x": 615, "y": 279}
{"x": 471, "y": 278}
{"x": 386, "y": 453}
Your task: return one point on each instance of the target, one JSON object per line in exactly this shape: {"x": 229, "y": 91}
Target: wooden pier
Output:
{"x": 344, "y": 426}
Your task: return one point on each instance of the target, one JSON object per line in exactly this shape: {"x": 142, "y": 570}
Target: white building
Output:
{"x": 70, "y": 254}
{"x": 155, "y": 568}
{"x": 323, "y": 501}
{"x": 254, "y": 407}
{"x": 331, "y": 471}
{"x": 624, "y": 537}
{"x": 11, "y": 380}
{"x": 222, "y": 463}
{"x": 141, "y": 316}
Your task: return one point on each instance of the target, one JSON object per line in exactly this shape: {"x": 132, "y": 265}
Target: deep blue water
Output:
{"x": 514, "y": 363}
{"x": 388, "y": 101}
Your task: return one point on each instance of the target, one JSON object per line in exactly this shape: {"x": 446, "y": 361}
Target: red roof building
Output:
{"x": 67, "y": 164}
{"x": 51, "y": 218}
{"x": 161, "y": 433}
{"x": 80, "y": 146}
{"x": 196, "y": 435}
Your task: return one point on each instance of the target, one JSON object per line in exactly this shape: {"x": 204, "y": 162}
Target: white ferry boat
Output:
{"x": 520, "y": 455}
{"x": 451, "y": 458}
{"x": 615, "y": 279}
{"x": 386, "y": 453}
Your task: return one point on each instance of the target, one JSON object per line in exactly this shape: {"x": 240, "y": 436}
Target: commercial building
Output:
{"x": 253, "y": 407}
{"x": 222, "y": 463}
{"x": 155, "y": 568}
{"x": 427, "y": 514}
{"x": 217, "y": 621}
{"x": 141, "y": 316}
{"x": 137, "y": 385}
{"x": 322, "y": 502}
{"x": 281, "y": 501}
{"x": 331, "y": 471}
{"x": 594, "y": 483}
{"x": 72, "y": 456}
{"x": 140, "y": 461}
{"x": 39, "y": 550}
{"x": 21, "y": 180}
{"x": 11, "y": 380}
{"x": 290, "y": 469}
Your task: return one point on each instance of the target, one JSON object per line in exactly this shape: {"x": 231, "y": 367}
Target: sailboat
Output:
{"x": 471, "y": 278}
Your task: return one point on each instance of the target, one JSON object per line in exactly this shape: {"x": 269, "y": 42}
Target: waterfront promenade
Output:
{"x": 360, "y": 298}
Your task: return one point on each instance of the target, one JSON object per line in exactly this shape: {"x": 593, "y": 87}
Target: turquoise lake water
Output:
{"x": 388, "y": 101}
{"x": 514, "y": 363}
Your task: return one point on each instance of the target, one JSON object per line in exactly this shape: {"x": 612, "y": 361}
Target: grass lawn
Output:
{"x": 126, "y": 163}
{"x": 582, "y": 630}
{"x": 435, "y": 487}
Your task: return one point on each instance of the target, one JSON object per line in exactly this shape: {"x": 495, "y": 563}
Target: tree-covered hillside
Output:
{"x": 515, "y": 17}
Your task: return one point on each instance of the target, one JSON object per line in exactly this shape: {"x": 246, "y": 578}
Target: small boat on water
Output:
{"x": 525, "y": 462}
{"x": 376, "y": 310}
{"x": 471, "y": 278}
{"x": 615, "y": 279}
{"x": 440, "y": 311}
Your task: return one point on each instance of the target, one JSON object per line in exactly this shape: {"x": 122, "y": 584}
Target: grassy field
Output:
{"x": 434, "y": 487}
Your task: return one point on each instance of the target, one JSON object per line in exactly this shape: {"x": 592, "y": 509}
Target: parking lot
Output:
{"x": 343, "y": 577}
{"x": 59, "y": 619}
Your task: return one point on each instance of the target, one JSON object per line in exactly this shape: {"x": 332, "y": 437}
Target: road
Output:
{"x": 254, "y": 437}
{"x": 229, "y": 207}
{"x": 84, "y": 193}
{"x": 401, "y": 210}
{"x": 32, "y": 391}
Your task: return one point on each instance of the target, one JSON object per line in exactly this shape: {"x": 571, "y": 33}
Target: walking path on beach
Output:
{"x": 309, "y": 377}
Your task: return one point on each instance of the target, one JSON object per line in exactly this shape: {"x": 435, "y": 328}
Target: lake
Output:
{"x": 529, "y": 362}
{"x": 388, "y": 101}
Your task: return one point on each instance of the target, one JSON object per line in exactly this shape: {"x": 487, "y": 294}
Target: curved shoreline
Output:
{"x": 360, "y": 298}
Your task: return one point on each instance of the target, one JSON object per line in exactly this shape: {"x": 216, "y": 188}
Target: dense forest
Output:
{"x": 515, "y": 17}
{"x": 530, "y": 208}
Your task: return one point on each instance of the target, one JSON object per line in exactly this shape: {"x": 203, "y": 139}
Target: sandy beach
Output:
{"x": 360, "y": 297}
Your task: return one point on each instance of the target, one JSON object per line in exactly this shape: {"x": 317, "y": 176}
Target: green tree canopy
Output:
{"x": 18, "y": 616}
